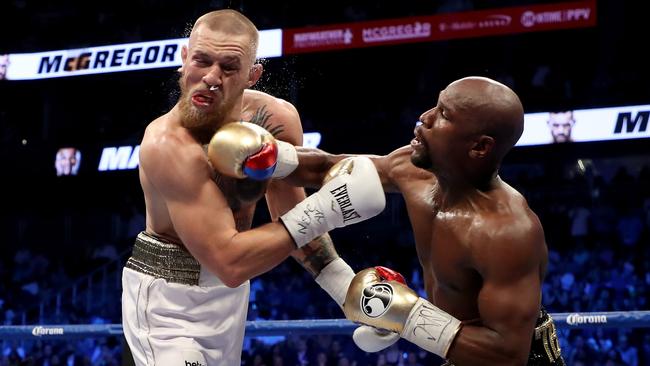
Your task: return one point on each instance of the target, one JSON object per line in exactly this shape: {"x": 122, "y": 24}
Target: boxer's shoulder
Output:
{"x": 255, "y": 100}
{"x": 277, "y": 115}
{"x": 397, "y": 170}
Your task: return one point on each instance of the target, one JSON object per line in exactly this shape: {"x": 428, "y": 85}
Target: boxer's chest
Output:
{"x": 446, "y": 256}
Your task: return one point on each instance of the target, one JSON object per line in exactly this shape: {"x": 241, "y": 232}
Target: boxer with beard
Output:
{"x": 186, "y": 284}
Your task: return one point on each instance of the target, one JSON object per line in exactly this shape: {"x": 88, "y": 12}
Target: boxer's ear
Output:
{"x": 183, "y": 58}
{"x": 481, "y": 147}
{"x": 254, "y": 74}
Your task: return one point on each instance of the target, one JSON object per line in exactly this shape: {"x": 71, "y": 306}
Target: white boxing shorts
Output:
{"x": 175, "y": 313}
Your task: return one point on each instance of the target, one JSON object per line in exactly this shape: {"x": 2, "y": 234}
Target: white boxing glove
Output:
{"x": 353, "y": 195}
{"x": 335, "y": 279}
{"x": 372, "y": 339}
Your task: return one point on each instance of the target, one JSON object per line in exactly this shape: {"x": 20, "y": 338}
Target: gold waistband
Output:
{"x": 160, "y": 259}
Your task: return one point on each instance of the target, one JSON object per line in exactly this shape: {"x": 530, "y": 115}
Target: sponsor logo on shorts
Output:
{"x": 41, "y": 331}
{"x": 576, "y": 319}
{"x": 195, "y": 363}
{"x": 343, "y": 199}
{"x": 376, "y": 299}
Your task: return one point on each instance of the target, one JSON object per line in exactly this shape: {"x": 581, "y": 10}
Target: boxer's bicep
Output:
{"x": 198, "y": 210}
{"x": 503, "y": 334}
{"x": 510, "y": 297}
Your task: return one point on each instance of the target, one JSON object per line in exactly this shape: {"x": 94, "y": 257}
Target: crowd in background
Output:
{"x": 597, "y": 225}
{"x": 597, "y": 231}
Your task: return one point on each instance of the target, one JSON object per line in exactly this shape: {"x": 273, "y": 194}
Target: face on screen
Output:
{"x": 4, "y": 64}
{"x": 560, "y": 124}
{"x": 67, "y": 161}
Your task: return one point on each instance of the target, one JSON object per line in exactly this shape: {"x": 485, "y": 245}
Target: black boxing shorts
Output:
{"x": 545, "y": 347}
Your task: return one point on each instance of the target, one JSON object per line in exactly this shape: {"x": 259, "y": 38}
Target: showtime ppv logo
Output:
{"x": 530, "y": 18}
{"x": 577, "y": 319}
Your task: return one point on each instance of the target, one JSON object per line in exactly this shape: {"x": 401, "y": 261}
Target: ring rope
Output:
{"x": 258, "y": 328}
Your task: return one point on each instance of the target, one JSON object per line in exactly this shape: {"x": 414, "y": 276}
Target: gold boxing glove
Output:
{"x": 246, "y": 150}
{"x": 388, "y": 304}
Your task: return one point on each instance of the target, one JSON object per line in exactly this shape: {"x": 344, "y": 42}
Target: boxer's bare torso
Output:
{"x": 454, "y": 237}
{"x": 240, "y": 194}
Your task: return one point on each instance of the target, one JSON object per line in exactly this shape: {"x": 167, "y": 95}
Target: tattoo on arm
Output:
{"x": 261, "y": 117}
{"x": 317, "y": 254}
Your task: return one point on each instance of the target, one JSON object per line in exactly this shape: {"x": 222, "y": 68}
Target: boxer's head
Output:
{"x": 474, "y": 124}
{"x": 220, "y": 56}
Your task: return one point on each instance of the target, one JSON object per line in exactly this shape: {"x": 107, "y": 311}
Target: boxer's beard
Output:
{"x": 422, "y": 160}
{"x": 202, "y": 123}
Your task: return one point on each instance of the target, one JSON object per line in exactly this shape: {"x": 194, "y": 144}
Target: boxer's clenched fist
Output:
{"x": 246, "y": 150}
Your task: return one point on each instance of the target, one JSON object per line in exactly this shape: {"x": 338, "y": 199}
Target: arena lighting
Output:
{"x": 127, "y": 157}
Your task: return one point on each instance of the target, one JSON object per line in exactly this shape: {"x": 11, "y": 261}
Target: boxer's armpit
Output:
{"x": 317, "y": 254}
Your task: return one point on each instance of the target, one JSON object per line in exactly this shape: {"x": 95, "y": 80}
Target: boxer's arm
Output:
{"x": 202, "y": 218}
{"x": 509, "y": 299}
{"x": 313, "y": 165}
{"x": 318, "y": 253}
{"x": 204, "y": 222}
{"x": 282, "y": 119}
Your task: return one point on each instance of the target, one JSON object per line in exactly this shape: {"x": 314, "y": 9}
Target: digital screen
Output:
{"x": 586, "y": 125}
{"x": 67, "y": 161}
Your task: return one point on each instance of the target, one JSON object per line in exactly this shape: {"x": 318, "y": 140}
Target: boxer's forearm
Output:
{"x": 313, "y": 165}
{"x": 316, "y": 255}
{"x": 480, "y": 345}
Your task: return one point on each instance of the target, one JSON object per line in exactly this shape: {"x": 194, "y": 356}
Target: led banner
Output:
{"x": 530, "y": 18}
{"x": 583, "y": 125}
{"x": 127, "y": 157}
{"x": 276, "y": 42}
{"x": 113, "y": 58}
